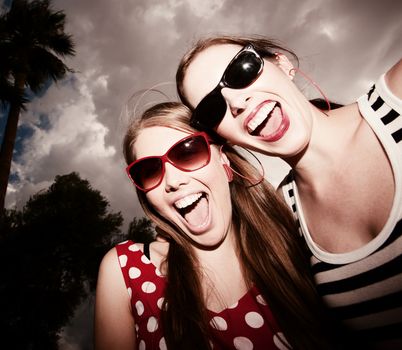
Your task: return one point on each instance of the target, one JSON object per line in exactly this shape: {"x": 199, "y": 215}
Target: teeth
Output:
{"x": 260, "y": 116}
{"x": 188, "y": 200}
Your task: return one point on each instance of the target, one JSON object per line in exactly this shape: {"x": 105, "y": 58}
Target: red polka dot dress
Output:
{"x": 246, "y": 325}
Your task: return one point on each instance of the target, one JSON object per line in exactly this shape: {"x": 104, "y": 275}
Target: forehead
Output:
{"x": 207, "y": 68}
{"x": 155, "y": 141}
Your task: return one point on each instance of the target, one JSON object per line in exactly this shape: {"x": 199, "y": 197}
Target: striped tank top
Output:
{"x": 363, "y": 288}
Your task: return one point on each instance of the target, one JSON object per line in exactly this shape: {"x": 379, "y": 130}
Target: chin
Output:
{"x": 210, "y": 242}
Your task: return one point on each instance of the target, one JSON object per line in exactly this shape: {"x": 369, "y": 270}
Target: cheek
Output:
{"x": 155, "y": 199}
{"x": 213, "y": 175}
{"x": 220, "y": 184}
{"x": 230, "y": 129}
{"x": 224, "y": 126}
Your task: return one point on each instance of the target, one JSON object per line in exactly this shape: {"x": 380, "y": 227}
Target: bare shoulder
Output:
{"x": 109, "y": 270}
{"x": 114, "y": 321}
{"x": 394, "y": 79}
{"x": 110, "y": 260}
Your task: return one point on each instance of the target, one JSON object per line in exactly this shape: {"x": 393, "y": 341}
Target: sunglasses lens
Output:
{"x": 191, "y": 154}
{"x": 243, "y": 70}
{"x": 209, "y": 112}
{"x": 147, "y": 173}
{"x": 240, "y": 73}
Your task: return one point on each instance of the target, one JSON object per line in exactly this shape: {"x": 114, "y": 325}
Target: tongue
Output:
{"x": 198, "y": 213}
{"x": 273, "y": 123}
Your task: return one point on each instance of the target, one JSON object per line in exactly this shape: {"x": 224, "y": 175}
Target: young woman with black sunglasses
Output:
{"x": 230, "y": 275}
{"x": 345, "y": 185}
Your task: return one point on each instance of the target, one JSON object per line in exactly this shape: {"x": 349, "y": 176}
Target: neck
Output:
{"x": 332, "y": 139}
{"x": 223, "y": 252}
{"x": 222, "y": 278}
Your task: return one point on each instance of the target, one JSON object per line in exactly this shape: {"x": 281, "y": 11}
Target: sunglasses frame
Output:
{"x": 164, "y": 158}
{"x": 195, "y": 121}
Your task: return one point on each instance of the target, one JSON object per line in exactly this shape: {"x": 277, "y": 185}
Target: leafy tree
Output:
{"x": 141, "y": 230}
{"x": 32, "y": 45}
{"x": 51, "y": 252}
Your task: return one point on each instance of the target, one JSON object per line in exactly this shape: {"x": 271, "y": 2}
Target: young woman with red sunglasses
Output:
{"x": 345, "y": 185}
{"x": 230, "y": 275}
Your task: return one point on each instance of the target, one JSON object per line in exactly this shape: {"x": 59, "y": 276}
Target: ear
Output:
{"x": 285, "y": 65}
{"x": 226, "y": 165}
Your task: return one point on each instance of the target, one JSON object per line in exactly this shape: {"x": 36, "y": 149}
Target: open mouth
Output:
{"x": 194, "y": 208}
{"x": 269, "y": 122}
{"x": 260, "y": 119}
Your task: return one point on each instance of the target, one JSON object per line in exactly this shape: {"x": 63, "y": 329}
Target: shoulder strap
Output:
{"x": 146, "y": 250}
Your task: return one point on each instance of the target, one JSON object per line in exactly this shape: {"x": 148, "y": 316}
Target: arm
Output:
{"x": 114, "y": 323}
{"x": 393, "y": 79}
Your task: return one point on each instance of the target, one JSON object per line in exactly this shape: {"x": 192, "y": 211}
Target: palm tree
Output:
{"x": 32, "y": 46}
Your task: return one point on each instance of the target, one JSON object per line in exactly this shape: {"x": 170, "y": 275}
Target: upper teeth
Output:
{"x": 260, "y": 116}
{"x": 188, "y": 200}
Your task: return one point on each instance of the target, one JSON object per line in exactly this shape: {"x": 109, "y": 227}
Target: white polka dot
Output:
{"x": 145, "y": 260}
{"x": 133, "y": 248}
{"x": 158, "y": 273}
{"x": 254, "y": 319}
{"x": 140, "y": 307}
{"x": 219, "y": 323}
{"x": 160, "y": 303}
{"x": 148, "y": 287}
{"x": 130, "y": 292}
{"x": 242, "y": 343}
{"x": 137, "y": 327}
{"x": 134, "y": 272}
{"x": 123, "y": 260}
{"x": 280, "y": 341}
{"x": 141, "y": 345}
{"x": 162, "y": 344}
{"x": 152, "y": 324}
{"x": 261, "y": 299}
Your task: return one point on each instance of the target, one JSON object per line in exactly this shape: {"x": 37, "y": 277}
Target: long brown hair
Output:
{"x": 269, "y": 251}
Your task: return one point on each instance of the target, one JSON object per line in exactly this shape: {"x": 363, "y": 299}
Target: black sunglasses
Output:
{"x": 241, "y": 72}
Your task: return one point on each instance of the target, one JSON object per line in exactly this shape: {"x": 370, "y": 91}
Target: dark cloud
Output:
{"x": 125, "y": 46}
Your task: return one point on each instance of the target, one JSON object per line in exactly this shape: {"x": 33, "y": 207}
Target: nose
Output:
{"x": 174, "y": 178}
{"x": 236, "y": 100}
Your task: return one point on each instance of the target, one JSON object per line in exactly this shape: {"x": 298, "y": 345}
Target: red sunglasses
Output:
{"x": 188, "y": 154}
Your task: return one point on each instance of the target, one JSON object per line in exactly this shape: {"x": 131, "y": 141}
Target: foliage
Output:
{"x": 32, "y": 41}
{"x": 33, "y": 45}
{"x": 141, "y": 231}
{"x": 51, "y": 252}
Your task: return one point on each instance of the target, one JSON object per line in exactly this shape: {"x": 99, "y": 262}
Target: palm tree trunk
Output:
{"x": 7, "y": 146}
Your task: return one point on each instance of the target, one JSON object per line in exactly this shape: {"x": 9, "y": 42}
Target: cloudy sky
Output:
{"x": 124, "y": 46}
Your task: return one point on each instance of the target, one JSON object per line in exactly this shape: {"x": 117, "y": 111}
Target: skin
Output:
{"x": 274, "y": 84}
{"x": 338, "y": 161}
{"x": 178, "y": 184}
{"x": 223, "y": 282}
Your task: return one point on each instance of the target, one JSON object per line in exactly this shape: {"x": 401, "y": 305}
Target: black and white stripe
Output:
{"x": 366, "y": 294}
